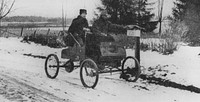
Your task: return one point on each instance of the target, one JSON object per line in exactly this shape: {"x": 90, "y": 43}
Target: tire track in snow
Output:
{"x": 35, "y": 56}
{"x": 25, "y": 92}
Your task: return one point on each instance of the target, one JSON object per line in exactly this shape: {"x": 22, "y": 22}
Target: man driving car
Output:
{"x": 78, "y": 27}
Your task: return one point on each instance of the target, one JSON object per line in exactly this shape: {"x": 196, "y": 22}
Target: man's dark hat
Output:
{"x": 83, "y": 11}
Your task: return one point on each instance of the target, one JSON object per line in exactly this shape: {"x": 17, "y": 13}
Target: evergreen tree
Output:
{"x": 188, "y": 12}
{"x": 126, "y": 12}
{"x": 180, "y": 9}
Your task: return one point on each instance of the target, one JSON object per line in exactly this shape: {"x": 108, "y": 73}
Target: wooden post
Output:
{"x": 137, "y": 49}
{"x": 47, "y": 40}
{"x": 0, "y": 28}
{"x": 136, "y": 33}
{"x": 48, "y": 32}
{"x": 34, "y": 34}
{"x": 160, "y": 17}
{"x": 22, "y": 32}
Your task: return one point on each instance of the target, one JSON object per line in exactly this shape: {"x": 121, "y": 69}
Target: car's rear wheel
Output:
{"x": 130, "y": 69}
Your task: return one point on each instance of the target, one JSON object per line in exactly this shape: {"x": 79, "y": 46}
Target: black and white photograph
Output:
{"x": 99, "y": 50}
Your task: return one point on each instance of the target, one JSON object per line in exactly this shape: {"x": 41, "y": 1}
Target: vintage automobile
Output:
{"x": 95, "y": 57}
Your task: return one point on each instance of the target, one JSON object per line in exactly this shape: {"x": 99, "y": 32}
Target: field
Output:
{"x": 16, "y": 32}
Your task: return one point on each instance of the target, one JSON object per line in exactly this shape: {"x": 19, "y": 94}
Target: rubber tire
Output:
{"x": 81, "y": 74}
{"x": 137, "y": 64}
{"x": 57, "y": 68}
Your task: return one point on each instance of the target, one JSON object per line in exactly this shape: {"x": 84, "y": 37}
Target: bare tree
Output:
{"x": 5, "y": 8}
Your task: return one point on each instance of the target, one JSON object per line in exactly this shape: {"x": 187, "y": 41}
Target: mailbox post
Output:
{"x": 136, "y": 34}
{"x": 137, "y": 48}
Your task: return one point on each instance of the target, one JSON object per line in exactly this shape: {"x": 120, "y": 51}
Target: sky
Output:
{"x": 53, "y": 8}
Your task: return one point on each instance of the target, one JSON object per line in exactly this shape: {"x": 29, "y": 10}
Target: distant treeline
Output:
{"x": 35, "y": 19}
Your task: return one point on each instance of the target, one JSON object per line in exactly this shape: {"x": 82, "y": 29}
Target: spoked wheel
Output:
{"x": 52, "y": 66}
{"x": 130, "y": 69}
{"x": 89, "y": 73}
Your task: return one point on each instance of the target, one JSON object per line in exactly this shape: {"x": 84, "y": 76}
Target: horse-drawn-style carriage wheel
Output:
{"x": 89, "y": 73}
{"x": 52, "y": 66}
{"x": 130, "y": 69}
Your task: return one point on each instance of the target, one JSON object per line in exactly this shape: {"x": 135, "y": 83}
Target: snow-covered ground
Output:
{"x": 171, "y": 78}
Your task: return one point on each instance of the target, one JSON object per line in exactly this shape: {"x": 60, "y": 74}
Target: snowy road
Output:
{"x": 172, "y": 78}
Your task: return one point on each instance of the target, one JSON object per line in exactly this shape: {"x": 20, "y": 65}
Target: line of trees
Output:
{"x": 24, "y": 19}
{"x": 34, "y": 19}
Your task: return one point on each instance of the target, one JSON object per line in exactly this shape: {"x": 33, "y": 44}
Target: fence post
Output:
{"x": 22, "y": 32}
{"x": 0, "y": 29}
{"x": 34, "y": 34}
{"x": 47, "y": 38}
